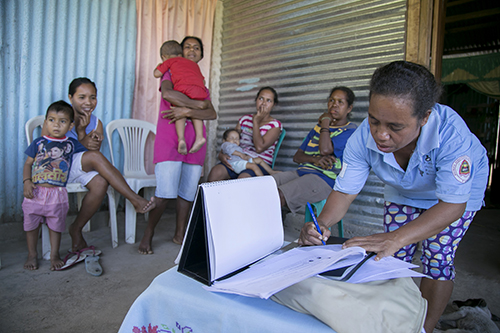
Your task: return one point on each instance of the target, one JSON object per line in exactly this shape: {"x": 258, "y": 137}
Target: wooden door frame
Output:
{"x": 425, "y": 34}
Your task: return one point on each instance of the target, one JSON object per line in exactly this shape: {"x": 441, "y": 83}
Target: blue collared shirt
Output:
{"x": 449, "y": 164}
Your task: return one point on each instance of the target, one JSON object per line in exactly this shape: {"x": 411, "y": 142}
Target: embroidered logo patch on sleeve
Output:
{"x": 342, "y": 171}
{"x": 461, "y": 168}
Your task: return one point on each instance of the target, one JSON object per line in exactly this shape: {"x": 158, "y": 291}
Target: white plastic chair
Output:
{"x": 133, "y": 134}
{"x": 77, "y": 188}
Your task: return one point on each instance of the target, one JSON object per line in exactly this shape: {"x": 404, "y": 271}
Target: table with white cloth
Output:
{"x": 176, "y": 303}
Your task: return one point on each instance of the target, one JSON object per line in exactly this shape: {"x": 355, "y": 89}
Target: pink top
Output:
{"x": 166, "y": 143}
{"x": 246, "y": 141}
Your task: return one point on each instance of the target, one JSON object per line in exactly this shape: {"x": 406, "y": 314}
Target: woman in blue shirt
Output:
{"x": 435, "y": 173}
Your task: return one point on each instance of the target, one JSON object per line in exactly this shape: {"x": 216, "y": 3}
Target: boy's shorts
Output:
{"x": 174, "y": 178}
{"x": 76, "y": 174}
{"x": 239, "y": 166}
{"x": 50, "y": 204}
{"x": 438, "y": 251}
{"x": 298, "y": 190}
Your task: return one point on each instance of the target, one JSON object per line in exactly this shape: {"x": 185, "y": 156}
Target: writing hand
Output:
{"x": 309, "y": 235}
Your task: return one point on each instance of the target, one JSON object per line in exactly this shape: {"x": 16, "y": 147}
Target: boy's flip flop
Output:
{"x": 92, "y": 265}
{"x": 71, "y": 259}
{"x": 89, "y": 251}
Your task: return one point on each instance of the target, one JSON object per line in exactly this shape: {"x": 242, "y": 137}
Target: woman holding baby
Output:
{"x": 177, "y": 175}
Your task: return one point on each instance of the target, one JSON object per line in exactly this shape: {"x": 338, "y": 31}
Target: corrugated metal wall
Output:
{"x": 303, "y": 49}
{"x": 43, "y": 46}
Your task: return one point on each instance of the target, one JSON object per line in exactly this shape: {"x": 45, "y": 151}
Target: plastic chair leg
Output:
{"x": 130, "y": 222}
{"x": 79, "y": 198}
{"x": 45, "y": 242}
{"x": 148, "y": 193}
{"x": 112, "y": 217}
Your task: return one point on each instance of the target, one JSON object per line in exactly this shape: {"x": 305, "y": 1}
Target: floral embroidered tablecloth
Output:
{"x": 175, "y": 303}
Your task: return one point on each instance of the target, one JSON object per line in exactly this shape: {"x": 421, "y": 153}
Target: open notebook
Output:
{"x": 232, "y": 224}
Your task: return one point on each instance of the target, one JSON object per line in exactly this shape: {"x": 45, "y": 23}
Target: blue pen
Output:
{"x": 315, "y": 221}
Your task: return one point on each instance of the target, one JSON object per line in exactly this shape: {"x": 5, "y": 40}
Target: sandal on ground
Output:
{"x": 72, "y": 259}
{"x": 92, "y": 265}
{"x": 89, "y": 251}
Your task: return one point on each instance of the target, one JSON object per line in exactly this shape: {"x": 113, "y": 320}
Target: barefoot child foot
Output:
{"x": 182, "y": 148}
{"x": 55, "y": 263}
{"x": 31, "y": 263}
{"x": 198, "y": 143}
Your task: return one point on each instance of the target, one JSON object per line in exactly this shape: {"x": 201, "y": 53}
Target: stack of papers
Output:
{"x": 385, "y": 269}
{"x": 278, "y": 272}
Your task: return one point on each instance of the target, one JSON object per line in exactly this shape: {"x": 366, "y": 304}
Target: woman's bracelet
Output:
{"x": 325, "y": 117}
{"x": 324, "y": 130}
{"x": 26, "y": 179}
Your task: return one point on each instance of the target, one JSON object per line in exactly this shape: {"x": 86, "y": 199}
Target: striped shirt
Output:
{"x": 246, "y": 140}
{"x": 310, "y": 146}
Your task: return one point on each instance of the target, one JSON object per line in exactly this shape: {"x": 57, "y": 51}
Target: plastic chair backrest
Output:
{"x": 278, "y": 145}
{"x": 30, "y": 126}
{"x": 133, "y": 134}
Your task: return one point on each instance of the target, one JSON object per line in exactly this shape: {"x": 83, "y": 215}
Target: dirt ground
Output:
{"x": 75, "y": 301}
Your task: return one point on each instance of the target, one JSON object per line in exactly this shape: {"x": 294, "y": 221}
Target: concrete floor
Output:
{"x": 74, "y": 301}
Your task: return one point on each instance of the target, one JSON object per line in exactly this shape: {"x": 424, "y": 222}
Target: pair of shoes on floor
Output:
{"x": 91, "y": 257}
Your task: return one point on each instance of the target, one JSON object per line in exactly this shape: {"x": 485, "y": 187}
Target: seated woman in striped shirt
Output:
{"x": 254, "y": 143}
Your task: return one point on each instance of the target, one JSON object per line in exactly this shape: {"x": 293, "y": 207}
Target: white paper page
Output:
{"x": 272, "y": 275}
{"x": 346, "y": 261}
{"x": 244, "y": 222}
{"x": 385, "y": 269}
{"x": 401, "y": 273}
